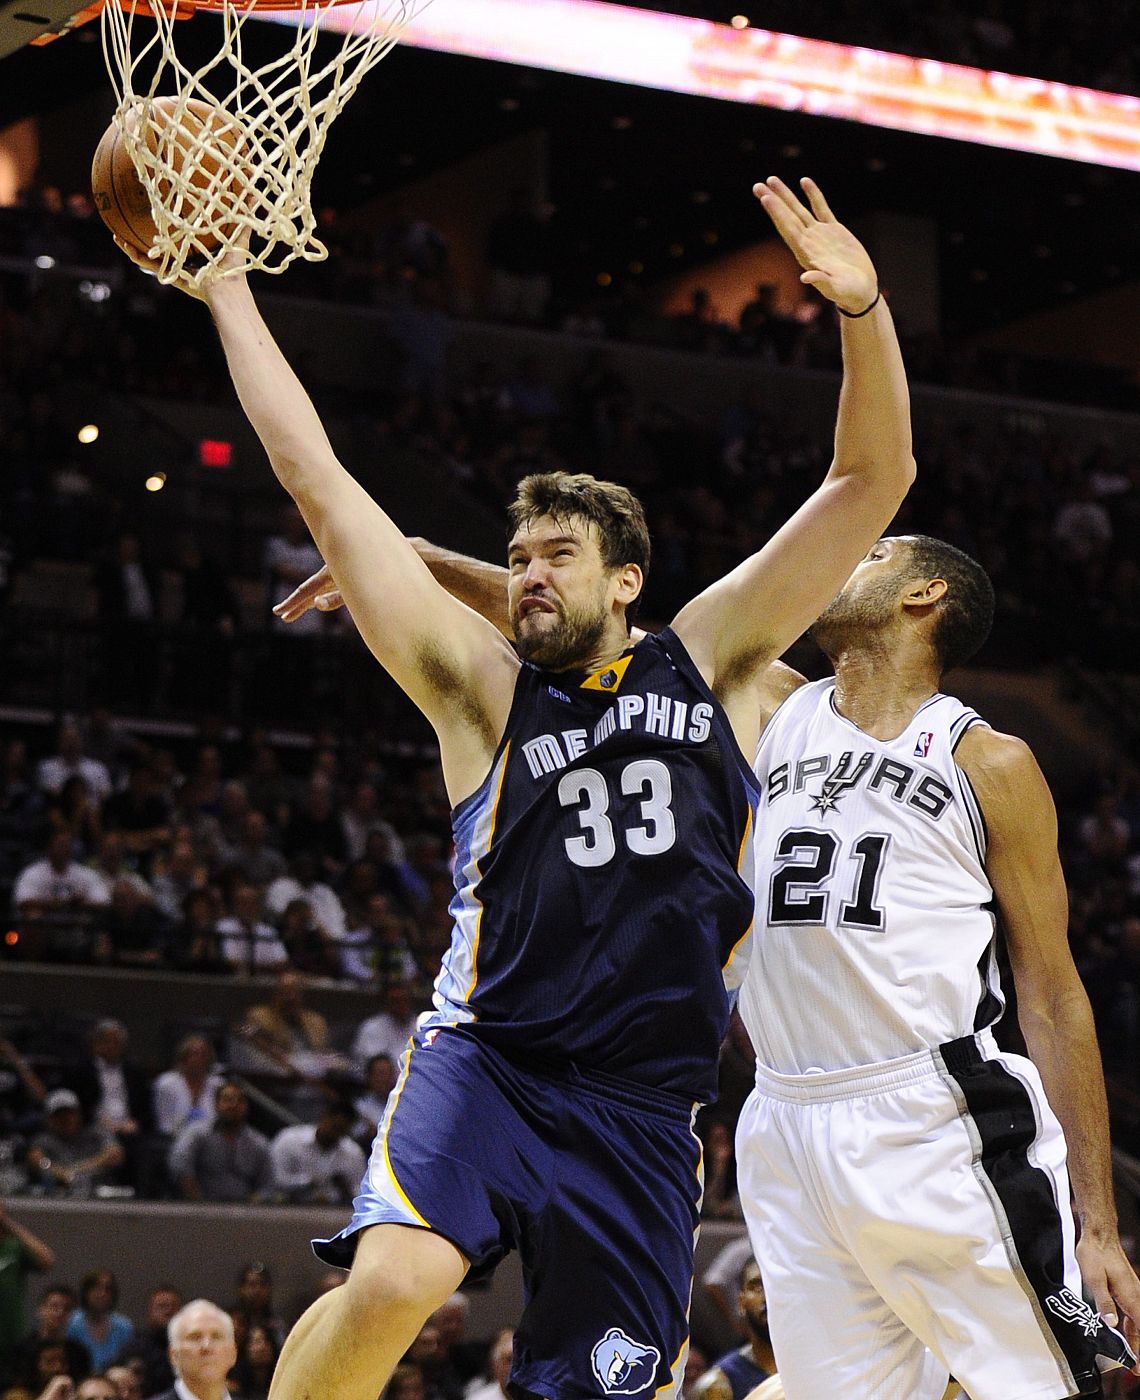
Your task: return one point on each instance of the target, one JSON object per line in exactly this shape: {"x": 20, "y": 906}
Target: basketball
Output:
{"x": 121, "y": 197}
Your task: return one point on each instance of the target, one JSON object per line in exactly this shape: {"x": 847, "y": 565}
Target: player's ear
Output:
{"x": 630, "y": 581}
{"x": 924, "y": 593}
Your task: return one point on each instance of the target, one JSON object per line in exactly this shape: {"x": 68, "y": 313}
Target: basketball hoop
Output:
{"x": 242, "y": 197}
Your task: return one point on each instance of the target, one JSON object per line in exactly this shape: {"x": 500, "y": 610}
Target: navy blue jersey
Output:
{"x": 604, "y": 877}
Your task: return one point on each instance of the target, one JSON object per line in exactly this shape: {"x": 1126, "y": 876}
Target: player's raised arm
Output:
{"x": 754, "y": 613}
{"x": 480, "y": 585}
{"x": 1053, "y": 1008}
{"x": 449, "y": 661}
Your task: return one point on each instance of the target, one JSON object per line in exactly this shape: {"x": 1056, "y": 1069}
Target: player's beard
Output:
{"x": 567, "y": 645}
{"x": 855, "y": 616}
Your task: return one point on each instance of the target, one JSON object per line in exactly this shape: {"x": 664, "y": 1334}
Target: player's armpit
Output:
{"x": 773, "y": 686}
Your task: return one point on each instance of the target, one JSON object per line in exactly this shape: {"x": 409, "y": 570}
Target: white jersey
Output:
{"x": 874, "y": 934}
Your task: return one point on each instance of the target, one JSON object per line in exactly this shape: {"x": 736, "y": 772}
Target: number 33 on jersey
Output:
{"x": 604, "y": 875}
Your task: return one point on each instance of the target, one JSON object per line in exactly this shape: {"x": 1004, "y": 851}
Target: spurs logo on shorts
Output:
{"x": 1069, "y": 1308}
{"x": 623, "y": 1366}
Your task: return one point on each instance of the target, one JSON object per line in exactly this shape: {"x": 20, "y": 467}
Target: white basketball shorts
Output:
{"x": 912, "y": 1220}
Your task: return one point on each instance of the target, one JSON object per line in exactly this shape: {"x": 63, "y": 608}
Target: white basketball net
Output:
{"x": 237, "y": 186}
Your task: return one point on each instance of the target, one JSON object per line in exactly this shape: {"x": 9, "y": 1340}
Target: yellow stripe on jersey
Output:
{"x": 479, "y": 873}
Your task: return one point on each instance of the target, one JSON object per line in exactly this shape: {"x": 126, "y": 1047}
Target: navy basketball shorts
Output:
{"x": 596, "y": 1182}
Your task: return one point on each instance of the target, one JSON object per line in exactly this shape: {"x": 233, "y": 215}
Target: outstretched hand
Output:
{"x": 833, "y": 259}
{"x": 319, "y": 591}
{"x": 186, "y": 281}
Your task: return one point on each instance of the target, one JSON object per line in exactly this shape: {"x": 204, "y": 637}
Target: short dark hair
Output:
{"x": 965, "y": 614}
{"x": 614, "y": 510}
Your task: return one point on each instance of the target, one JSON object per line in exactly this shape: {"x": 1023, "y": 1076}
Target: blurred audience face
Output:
{"x": 381, "y": 1077}
{"x": 102, "y": 1388}
{"x": 51, "y": 1361}
{"x": 407, "y": 1383}
{"x": 230, "y": 1106}
{"x": 164, "y": 1303}
{"x": 753, "y": 1302}
{"x": 255, "y": 1290}
{"x": 126, "y": 1384}
{"x": 109, "y": 1042}
{"x": 195, "y": 1058}
{"x": 202, "y": 1349}
{"x": 53, "y": 1311}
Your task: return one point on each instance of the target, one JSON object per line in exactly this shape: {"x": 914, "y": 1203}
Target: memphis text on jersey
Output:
{"x": 649, "y": 713}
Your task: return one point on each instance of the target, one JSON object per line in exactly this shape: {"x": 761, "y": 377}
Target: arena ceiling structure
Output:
{"x": 660, "y": 180}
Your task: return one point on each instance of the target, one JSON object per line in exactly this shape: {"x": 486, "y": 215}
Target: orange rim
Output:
{"x": 183, "y": 9}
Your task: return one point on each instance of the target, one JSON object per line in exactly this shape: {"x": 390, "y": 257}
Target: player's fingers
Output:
{"x": 329, "y": 602}
{"x": 787, "y": 226}
{"x": 788, "y": 197}
{"x": 819, "y": 206}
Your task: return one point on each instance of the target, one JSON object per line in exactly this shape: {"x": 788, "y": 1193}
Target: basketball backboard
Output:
{"x": 28, "y": 21}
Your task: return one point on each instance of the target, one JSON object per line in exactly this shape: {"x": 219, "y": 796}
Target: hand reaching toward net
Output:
{"x": 833, "y": 259}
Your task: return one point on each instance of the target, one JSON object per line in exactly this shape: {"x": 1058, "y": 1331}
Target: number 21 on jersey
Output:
{"x": 800, "y": 891}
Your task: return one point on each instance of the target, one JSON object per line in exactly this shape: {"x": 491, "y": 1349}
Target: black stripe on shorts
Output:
{"x": 1003, "y": 1123}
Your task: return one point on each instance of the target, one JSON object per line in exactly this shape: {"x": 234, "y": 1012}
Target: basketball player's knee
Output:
{"x": 377, "y": 1291}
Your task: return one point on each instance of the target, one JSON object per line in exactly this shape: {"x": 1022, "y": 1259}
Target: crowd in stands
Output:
{"x": 80, "y": 1334}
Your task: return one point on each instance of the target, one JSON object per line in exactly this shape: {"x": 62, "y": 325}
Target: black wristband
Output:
{"x": 854, "y": 315}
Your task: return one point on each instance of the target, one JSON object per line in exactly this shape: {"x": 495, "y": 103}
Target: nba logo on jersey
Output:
{"x": 922, "y": 747}
{"x": 623, "y": 1366}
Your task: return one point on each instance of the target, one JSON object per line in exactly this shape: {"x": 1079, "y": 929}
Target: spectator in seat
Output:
{"x": 125, "y": 1382}
{"x": 318, "y": 1163}
{"x": 379, "y": 1081}
{"x": 498, "y": 1369}
{"x": 185, "y": 1094}
{"x": 736, "y": 1374}
{"x": 314, "y": 829}
{"x": 290, "y": 557}
{"x": 285, "y": 1026}
{"x": 377, "y": 949}
{"x": 310, "y": 947}
{"x": 202, "y": 1352}
{"x": 249, "y": 944}
{"x": 150, "y": 1350}
{"x": 257, "y": 1360}
{"x": 56, "y": 1304}
{"x": 196, "y": 944}
{"x": 70, "y": 761}
{"x": 140, "y": 813}
{"x": 388, "y": 1032}
{"x": 96, "y": 1324}
{"x": 68, "y": 1158}
{"x": 254, "y": 1306}
{"x": 253, "y": 854}
{"x": 222, "y": 1160}
{"x": 57, "y": 901}
{"x": 47, "y": 1368}
{"x": 114, "y": 1092}
{"x": 76, "y": 810}
{"x": 177, "y": 875}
